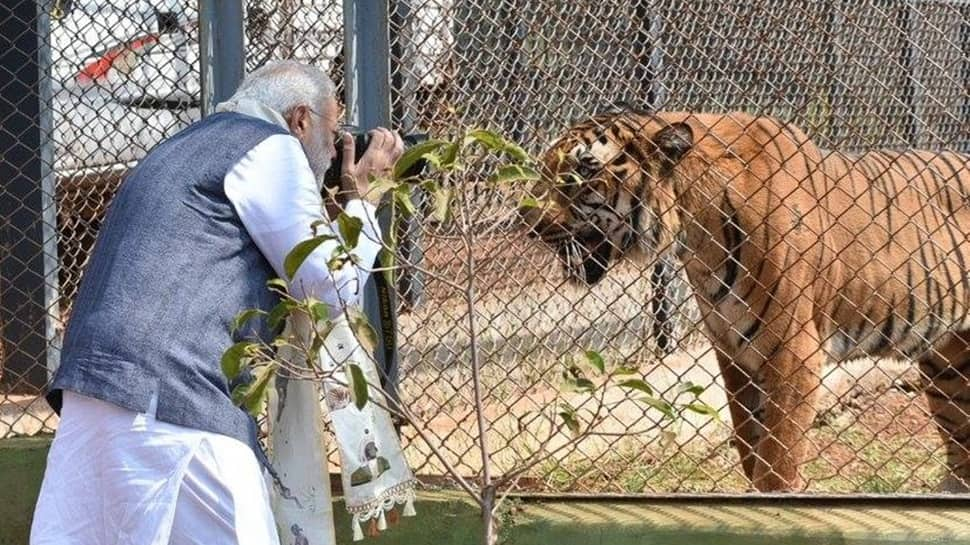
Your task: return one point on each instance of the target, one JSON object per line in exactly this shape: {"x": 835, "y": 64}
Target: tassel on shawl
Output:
{"x": 358, "y": 532}
{"x": 409, "y": 507}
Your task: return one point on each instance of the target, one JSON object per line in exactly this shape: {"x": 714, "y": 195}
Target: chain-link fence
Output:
{"x": 89, "y": 88}
{"x": 854, "y": 76}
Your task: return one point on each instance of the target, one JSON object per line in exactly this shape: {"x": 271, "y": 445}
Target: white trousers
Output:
{"x": 123, "y": 478}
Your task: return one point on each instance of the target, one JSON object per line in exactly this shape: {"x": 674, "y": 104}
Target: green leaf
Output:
{"x": 363, "y": 331}
{"x": 279, "y": 313}
{"x": 495, "y": 142}
{"x": 442, "y": 204}
{"x": 626, "y": 371}
{"x": 300, "y": 252}
{"x": 338, "y": 259}
{"x": 704, "y": 409}
{"x": 637, "y": 384}
{"x": 414, "y": 154}
{"x": 318, "y": 223}
{"x": 596, "y": 360}
{"x": 584, "y": 385}
{"x": 381, "y": 186}
{"x": 573, "y": 370}
{"x": 232, "y": 359}
{"x": 243, "y": 317}
{"x": 277, "y": 284}
{"x": 359, "y": 385}
{"x": 320, "y": 311}
{"x": 449, "y": 156}
{"x": 569, "y": 178}
{"x": 433, "y": 159}
{"x": 660, "y": 405}
{"x": 429, "y": 185}
{"x": 690, "y": 387}
{"x": 529, "y": 202}
{"x": 350, "y": 228}
{"x": 254, "y": 395}
{"x": 490, "y": 139}
{"x": 321, "y": 337}
{"x": 578, "y": 385}
{"x": 569, "y": 417}
{"x": 513, "y": 173}
{"x": 238, "y": 394}
{"x": 402, "y": 196}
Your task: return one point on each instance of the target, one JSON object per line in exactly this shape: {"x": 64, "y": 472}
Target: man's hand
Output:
{"x": 383, "y": 151}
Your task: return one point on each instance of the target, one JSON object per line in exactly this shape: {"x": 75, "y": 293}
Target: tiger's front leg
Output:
{"x": 745, "y": 403}
{"x": 791, "y": 378}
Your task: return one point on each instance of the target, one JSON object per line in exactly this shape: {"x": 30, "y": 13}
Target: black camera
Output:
{"x": 361, "y": 140}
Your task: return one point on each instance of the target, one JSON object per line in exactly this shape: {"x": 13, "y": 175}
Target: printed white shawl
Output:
{"x": 375, "y": 476}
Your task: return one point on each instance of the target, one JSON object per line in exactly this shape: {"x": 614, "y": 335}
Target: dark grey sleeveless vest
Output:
{"x": 172, "y": 266}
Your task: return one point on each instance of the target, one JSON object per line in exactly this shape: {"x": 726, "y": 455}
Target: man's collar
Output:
{"x": 255, "y": 109}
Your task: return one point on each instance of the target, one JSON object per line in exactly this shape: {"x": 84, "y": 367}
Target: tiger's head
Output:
{"x": 608, "y": 191}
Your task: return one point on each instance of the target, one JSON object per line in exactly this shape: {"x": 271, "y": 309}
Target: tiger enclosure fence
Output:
{"x": 90, "y": 86}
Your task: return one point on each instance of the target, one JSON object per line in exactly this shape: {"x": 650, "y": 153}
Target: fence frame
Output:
{"x": 28, "y": 280}
{"x": 221, "y": 50}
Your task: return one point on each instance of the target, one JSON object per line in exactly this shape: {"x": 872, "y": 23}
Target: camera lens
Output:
{"x": 361, "y": 141}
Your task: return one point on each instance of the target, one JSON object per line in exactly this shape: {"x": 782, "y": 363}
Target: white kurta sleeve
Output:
{"x": 277, "y": 199}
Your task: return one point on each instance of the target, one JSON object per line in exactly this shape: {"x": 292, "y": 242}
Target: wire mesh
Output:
{"x": 112, "y": 79}
{"x": 854, "y": 76}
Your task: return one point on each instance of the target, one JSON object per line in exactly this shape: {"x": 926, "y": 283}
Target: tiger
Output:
{"x": 798, "y": 257}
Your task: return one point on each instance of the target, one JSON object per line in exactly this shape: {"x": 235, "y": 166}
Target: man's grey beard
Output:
{"x": 319, "y": 159}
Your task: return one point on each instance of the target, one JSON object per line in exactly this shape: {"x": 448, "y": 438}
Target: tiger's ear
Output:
{"x": 674, "y": 141}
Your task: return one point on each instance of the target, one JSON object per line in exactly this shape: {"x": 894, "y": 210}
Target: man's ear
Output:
{"x": 299, "y": 121}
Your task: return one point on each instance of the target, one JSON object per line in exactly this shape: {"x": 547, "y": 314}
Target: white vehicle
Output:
{"x": 124, "y": 75}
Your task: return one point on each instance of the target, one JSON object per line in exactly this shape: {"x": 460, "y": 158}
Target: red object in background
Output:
{"x": 97, "y": 71}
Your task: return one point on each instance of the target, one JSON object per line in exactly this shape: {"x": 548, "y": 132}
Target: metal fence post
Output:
{"x": 28, "y": 242}
{"x": 404, "y": 88}
{"x": 367, "y": 88}
{"x": 221, "y": 50}
{"x": 915, "y": 126}
{"x": 653, "y": 93}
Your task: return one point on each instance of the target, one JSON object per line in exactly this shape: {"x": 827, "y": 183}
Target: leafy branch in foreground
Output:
{"x": 260, "y": 359}
{"x": 575, "y": 379}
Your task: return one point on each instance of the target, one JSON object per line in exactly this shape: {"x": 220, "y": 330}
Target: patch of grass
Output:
{"x": 698, "y": 470}
{"x": 852, "y": 459}
{"x": 633, "y": 468}
{"x": 22, "y": 463}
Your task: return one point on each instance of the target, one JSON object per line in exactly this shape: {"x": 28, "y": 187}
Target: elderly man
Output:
{"x": 150, "y": 449}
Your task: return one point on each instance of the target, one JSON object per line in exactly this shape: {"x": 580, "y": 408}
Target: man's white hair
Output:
{"x": 284, "y": 85}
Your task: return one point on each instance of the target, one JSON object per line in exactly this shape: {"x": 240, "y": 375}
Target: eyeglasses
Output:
{"x": 341, "y": 129}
